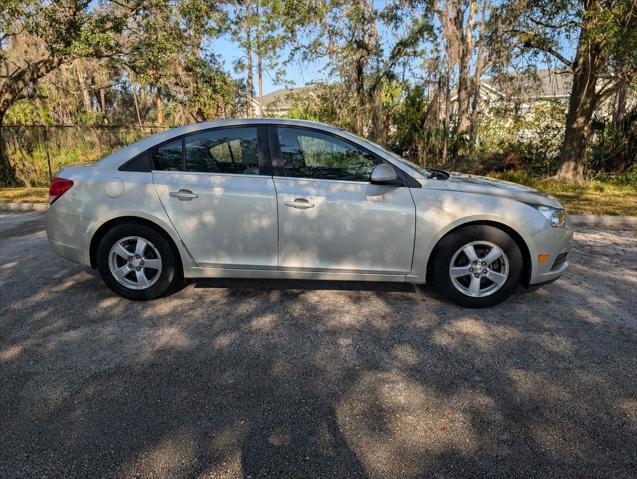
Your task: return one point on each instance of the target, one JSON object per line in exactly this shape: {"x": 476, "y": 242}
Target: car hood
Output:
{"x": 492, "y": 186}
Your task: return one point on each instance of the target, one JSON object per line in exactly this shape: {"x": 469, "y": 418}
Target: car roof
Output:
{"x": 119, "y": 157}
{"x": 257, "y": 121}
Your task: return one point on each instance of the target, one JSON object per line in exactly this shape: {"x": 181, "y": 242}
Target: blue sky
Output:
{"x": 299, "y": 74}
{"x": 296, "y": 74}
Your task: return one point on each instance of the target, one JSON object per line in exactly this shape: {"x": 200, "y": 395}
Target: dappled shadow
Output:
{"x": 238, "y": 378}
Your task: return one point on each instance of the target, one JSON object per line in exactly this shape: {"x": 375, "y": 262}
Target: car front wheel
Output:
{"x": 477, "y": 266}
{"x": 136, "y": 262}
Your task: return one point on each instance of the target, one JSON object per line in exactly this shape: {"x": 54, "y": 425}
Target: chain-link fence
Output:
{"x": 38, "y": 152}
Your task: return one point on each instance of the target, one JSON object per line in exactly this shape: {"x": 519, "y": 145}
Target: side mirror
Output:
{"x": 384, "y": 174}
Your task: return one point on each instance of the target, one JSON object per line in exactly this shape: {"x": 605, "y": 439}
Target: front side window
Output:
{"x": 227, "y": 150}
{"x": 311, "y": 154}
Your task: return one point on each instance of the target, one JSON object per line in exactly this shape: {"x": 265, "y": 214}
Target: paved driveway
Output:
{"x": 315, "y": 379}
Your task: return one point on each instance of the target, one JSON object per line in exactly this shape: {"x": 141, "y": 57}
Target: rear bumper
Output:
{"x": 68, "y": 235}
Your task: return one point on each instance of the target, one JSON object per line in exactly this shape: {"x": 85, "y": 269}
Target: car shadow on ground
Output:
{"x": 251, "y": 378}
{"x": 306, "y": 284}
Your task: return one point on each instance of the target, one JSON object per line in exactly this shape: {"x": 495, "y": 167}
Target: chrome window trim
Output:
{"x": 296, "y": 178}
{"x": 240, "y": 175}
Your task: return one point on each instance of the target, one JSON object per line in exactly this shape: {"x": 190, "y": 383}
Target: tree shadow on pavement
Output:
{"x": 237, "y": 378}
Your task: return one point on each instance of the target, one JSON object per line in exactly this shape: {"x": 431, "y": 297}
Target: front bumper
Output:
{"x": 556, "y": 243}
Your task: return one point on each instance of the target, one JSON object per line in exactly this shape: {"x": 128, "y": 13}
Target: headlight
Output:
{"x": 553, "y": 215}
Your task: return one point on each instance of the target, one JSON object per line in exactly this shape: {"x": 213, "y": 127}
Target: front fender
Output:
{"x": 440, "y": 211}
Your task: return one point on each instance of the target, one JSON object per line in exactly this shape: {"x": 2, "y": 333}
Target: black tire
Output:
{"x": 450, "y": 244}
{"x": 168, "y": 277}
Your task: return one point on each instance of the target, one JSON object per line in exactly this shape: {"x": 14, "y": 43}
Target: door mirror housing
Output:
{"x": 384, "y": 174}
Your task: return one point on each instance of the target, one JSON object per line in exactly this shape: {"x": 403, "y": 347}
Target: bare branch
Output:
{"x": 552, "y": 26}
{"x": 533, "y": 40}
{"x": 609, "y": 89}
{"x": 21, "y": 79}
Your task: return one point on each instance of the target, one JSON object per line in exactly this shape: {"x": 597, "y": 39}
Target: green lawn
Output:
{"x": 24, "y": 195}
{"x": 605, "y": 196}
{"x": 610, "y": 196}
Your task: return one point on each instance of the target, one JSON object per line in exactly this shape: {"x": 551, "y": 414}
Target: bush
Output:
{"x": 614, "y": 145}
{"x": 522, "y": 138}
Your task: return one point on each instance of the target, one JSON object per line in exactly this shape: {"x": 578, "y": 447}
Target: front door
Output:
{"x": 331, "y": 218}
{"x": 220, "y": 197}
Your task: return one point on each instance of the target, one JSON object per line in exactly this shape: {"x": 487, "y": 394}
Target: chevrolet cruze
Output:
{"x": 274, "y": 198}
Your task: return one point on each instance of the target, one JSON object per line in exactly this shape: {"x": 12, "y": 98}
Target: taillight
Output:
{"x": 58, "y": 187}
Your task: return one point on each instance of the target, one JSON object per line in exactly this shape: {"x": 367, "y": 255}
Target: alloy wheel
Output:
{"x": 135, "y": 262}
{"x": 479, "y": 269}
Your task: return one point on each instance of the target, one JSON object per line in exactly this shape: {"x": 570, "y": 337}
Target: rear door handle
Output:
{"x": 300, "y": 204}
{"x": 183, "y": 195}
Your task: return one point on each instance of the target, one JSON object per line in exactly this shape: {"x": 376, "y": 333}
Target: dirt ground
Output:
{"x": 237, "y": 378}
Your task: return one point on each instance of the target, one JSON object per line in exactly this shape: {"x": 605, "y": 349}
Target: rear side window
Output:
{"x": 226, "y": 150}
{"x": 167, "y": 157}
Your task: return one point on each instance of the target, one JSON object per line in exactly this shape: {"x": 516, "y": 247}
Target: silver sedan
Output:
{"x": 274, "y": 198}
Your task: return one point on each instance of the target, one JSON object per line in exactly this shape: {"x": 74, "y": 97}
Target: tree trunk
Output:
{"x": 103, "y": 100}
{"x": 619, "y": 110}
{"x": 479, "y": 69}
{"x": 465, "y": 45}
{"x": 260, "y": 70}
{"x": 10, "y": 90}
{"x": 581, "y": 106}
{"x": 462, "y": 125}
{"x": 377, "y": 130}
{"x": 573, "y": 152}
{"x": 250, "y": 84}
{"x": 475, "y": 111}
{"x": 198, "y": 115}
{"x": 447, "y": 97}
{"x": 160, "y": 108}
{"x": 259, "y": 60}
{"x": 81, "y": 78}
{"x": 360, "y": 96}
{"x": 7, "y": 171}
{"x": 139, "y": 118}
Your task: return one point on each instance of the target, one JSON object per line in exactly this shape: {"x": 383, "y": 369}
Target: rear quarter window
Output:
{"x": 168, "y": 157}
{"x": 140, "y": 163}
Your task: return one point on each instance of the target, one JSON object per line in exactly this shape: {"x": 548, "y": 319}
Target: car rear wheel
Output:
{"x": 477, "y": 266}
{"x": 136, "y": 262}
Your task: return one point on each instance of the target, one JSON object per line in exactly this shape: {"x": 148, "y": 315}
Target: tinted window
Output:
{"x": 228, "y": 150}
{"x": 167, "y": 157}
{"x": 310, "y": 154}
{"x": 139, "y": 163}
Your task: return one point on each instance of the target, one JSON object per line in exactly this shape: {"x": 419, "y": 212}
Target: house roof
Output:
{"x": 539, "y": 84}
{"x": 282, "y": 98}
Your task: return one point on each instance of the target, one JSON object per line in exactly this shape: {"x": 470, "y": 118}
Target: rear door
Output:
{"x": 217, "y": 189}
{"x": 331, "y": 218}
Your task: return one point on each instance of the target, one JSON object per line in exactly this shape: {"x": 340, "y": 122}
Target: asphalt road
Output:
{"x": 315, "y": 379}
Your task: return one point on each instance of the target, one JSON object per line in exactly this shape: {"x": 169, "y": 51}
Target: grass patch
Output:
{"x": 615, "y": 196}
{"x": 24, "y": 195}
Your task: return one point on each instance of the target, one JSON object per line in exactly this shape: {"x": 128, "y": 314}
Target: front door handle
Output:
{"x": 300, "y": 204}
{"x": 183, "y": 195}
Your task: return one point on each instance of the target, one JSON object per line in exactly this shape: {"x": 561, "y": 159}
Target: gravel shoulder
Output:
{"x": 238, "y": 378}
